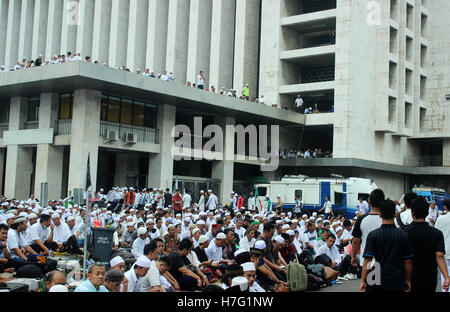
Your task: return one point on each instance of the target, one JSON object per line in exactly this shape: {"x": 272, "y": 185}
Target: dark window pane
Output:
{"x": 127, "y": 112}
{"x": 114, "y": 109}
{"x": 33, "y": 109}
{"x": 138, "y": 114}
{"x": 65, "y": 106}
{"x": 150, "y": 116}
{"x": 104, "y": 109}
{"x": 4, "y": 111}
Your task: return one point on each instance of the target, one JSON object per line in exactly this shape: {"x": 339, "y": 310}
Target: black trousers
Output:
{"x": 200, "y": 87}
{"x": 9, "y": 264}
{"x": 187, "y": 283}
{"x": 51, "y": 246}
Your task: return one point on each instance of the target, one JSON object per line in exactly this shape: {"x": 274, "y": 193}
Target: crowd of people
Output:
{"x": 166, "y": 242}
{"x": 309, "y": 153}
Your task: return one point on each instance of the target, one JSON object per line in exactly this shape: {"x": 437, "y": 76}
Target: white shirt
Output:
{"x": 256, "y": 288}
{"x": 245, "y": 245}
{"x": 327, "y": 206}
{"x": 363, "y": 207}
{"x": 214, "y": 252}
{"x": 164, "y": 77}
{"x": 61, "y": 233}
{"x": 443, "y": 225}
{"x": 240, "y": 232}
{"x": 138, "y": 246}
{"x": 15, "y": 241}
{"x": 201, "y": 203}
{"x": 297, "y": 245}
{"x": 200, "y": 81}
{"x": 134, "y": 282}
{"x": 298, "y": 102}
{"x": 152, "y": 279}
{"x": 406, "y": 218}
{"x": 251, "y": 203}
{"x": 310, "y": 238}
{"x": 187, "y": 201}
{"x": 211, "y": 204}
{"x": 432, "y": 214}
{"x": 332, "y": 252}
{"x": 37, "y": 232}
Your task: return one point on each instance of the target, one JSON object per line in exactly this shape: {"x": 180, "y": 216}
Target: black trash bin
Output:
{"x": 102, "y": 244}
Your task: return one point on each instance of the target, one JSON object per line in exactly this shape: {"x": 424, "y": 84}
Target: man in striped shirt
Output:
{"x": 392, "y": 252}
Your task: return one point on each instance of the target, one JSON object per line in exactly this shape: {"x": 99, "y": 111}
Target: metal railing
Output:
{"x": 142, "y": 134}
{"x": 31, "y": 125}
{"x": 63, "y": 127}
{"x": 426, "y": 161}
{"x": 3, "y": 127}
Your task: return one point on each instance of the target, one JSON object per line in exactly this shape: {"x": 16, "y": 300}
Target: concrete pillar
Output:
{"x": 199, "y": 46}
{"x": 49, "y": 158}
{"x": 69, "y": 27}
{"x": 160, "y": 169}
{"x": 55, "y": 14}
{"x": 2, "y": 172}
{"x": 177, "y": 39}
{"x": 84, "y": 138}
{"x": 126, "y": 164}
{"x": 270, "y": 72}
{"x": 26, "y": 29}
{"x": 119, "y": 33}
{"x": 101, "y": 31}
{"x": 137, "y": 35}
{"x": 40, "y": 28}
{"x": 19, "y": 164}
{"x": 84, "y": 32}
{"x": 12, "y": 33}
{"x": 446, "y": 152}
{"x": 222, "y": 44}
{"x": 3, "y": 27}
{"x": 224, "y": 169}
{"x": 158, "y": 11}
{"x": 246, "y": 45}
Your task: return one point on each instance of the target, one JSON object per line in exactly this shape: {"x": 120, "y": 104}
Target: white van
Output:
{"x": 344, "y": 193}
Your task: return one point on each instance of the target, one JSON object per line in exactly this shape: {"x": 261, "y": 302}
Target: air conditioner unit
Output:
{"x": 130, "y": 138}
{"x": 112, "y": 135}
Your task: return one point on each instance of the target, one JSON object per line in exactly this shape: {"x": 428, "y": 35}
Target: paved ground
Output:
{"x": 346, "y": 286}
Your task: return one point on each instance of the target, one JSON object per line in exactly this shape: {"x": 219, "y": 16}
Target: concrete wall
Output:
{"x": 126, "y": 164}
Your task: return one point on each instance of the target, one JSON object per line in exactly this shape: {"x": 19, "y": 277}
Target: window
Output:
{"x": 364, "y": 196}
{"x": 65, "y": 106}
{"x": 128, "y": 111}
{"x": 4, "y": 111}
{"x": 33, "y": 109}
{"x": 338, "y": 198}
{"x": 299, "y": 194}
{"x": 262, "y": 191}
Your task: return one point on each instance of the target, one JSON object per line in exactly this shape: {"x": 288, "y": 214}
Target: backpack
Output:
{"x": 323, "y": 259}
{"x": 400, "y": 222}
{"x": 307, "y": 257}
{"x": 314, "y": 282}
{"x": 29, "y": 271}
{"x": 297, "y": 277}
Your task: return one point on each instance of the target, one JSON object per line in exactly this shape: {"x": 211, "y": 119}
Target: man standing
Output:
{"x": 366, "y": 224}
{"x": 200, "y": 80}
{"x": 433, "y": 213}
{"x": 212, "y": 202}
{"x": 201, "y": 202}
{"x": 246, "y": 92}
{"x": 327, "y": 207}
{"x": 177, "y": 202}
{"x": 298, "y": 103}
{"x": 390, "y": 248}
{"x": 428, "y": 248}
{"x": 363, "y": 207}
{"x": 443, "y": 225}
{"x": 167, "y": 198}
{"x": 187, "y": 200}
{"x": 405, "y": 218}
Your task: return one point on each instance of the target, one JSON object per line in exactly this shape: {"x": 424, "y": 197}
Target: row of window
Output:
{"x": 113, "y": 109}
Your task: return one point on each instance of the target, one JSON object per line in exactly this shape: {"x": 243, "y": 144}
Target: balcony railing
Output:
{"x": 63, "y": 127}
{"x": 148, "y": 135}
{"x": 3, "y": 127}
{"x": 426, "y": 161}
{"x": 31, "y": 125}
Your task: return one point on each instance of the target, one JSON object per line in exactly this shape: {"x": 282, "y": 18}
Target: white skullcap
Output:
{"x": 304, "y": 216}
{"x": 9, "y": 216}
{"x": 187, "y": 219}
{"x": 286, "y": 226}
{"x": 314, "y": 214}
{"x": 279, "y": 239}
{"x": 32, "y": 216}
{"x": 194, "y": 231}
{"x": 71, "y": 218}
{"x": 115, "y": 261}
{"x": 319, "y": 219}
{"x": 201, "y": 222}
{"x": 240, "y": 281}
{"x": 334, "y": 223}
{"x": 23, "y": 214}
{"x": 150, "y": 221}
{"x": 278, "y": 222}
{"x": 260, "y": 244}
{"x": 294, "y": 221}
{"x": 202, "y": 192}
{"x": 287, "y": 219}
{"x": 143, "y": 262}
{"x": 130, "y": 223}
{"x": 170, "y": 226}
{"x": 248, "y": 266}
{"x": 339, "y": 228}
{"x": 221, "y": 236}
{"x": 56, "y": 215}
{"x": 202, "y": 239}
{"x": 312, "y": 218}
{"x": 58, "y": 288}
{"x": 142, "y": 231}
{"x": 238, "y": 252}
{"x": 290, "y": 233}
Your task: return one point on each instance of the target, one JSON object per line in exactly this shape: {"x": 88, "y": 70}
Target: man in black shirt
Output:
{"x": 390, "y": 248}
{"x": 428, "y": 248}
{"x": 167, "y": 198}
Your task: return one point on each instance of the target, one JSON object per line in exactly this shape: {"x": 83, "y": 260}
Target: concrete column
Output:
{"x": 270, "y": 72}
{"x": 40, "y": 28}
{"x": 26, "y": 29}
{"x": 160, "y": 169}
{"x": 19, "y": 164}
{"x": 119, "y": 33}
{"x": 137, "y": 35}
{"x": 69, "y": 27}
{"x": 84, "y": 137}
{"x": 246, "y": 45}
{"x": 12, "y": 33}
{"x": 55, "y": 13}
{"x": 177, "y": 39}
{"x": 158, "y": 11}
{"x": 224, "y": 169}
{"x": 2, "y": 172}
{"x": 126, "y": 164}
{"x": 101, "y": 31}
{"x": 49, "y": 158}
{"x": 84, "y": 32}
{"x": 222, "y": 44}
{"x": 199, "y": 46}
{"x": 3, "y": 27}
{"x": 446, "y": 152}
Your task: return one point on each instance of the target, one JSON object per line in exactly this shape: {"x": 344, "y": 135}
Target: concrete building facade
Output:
{"x": 381, "y": 82}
